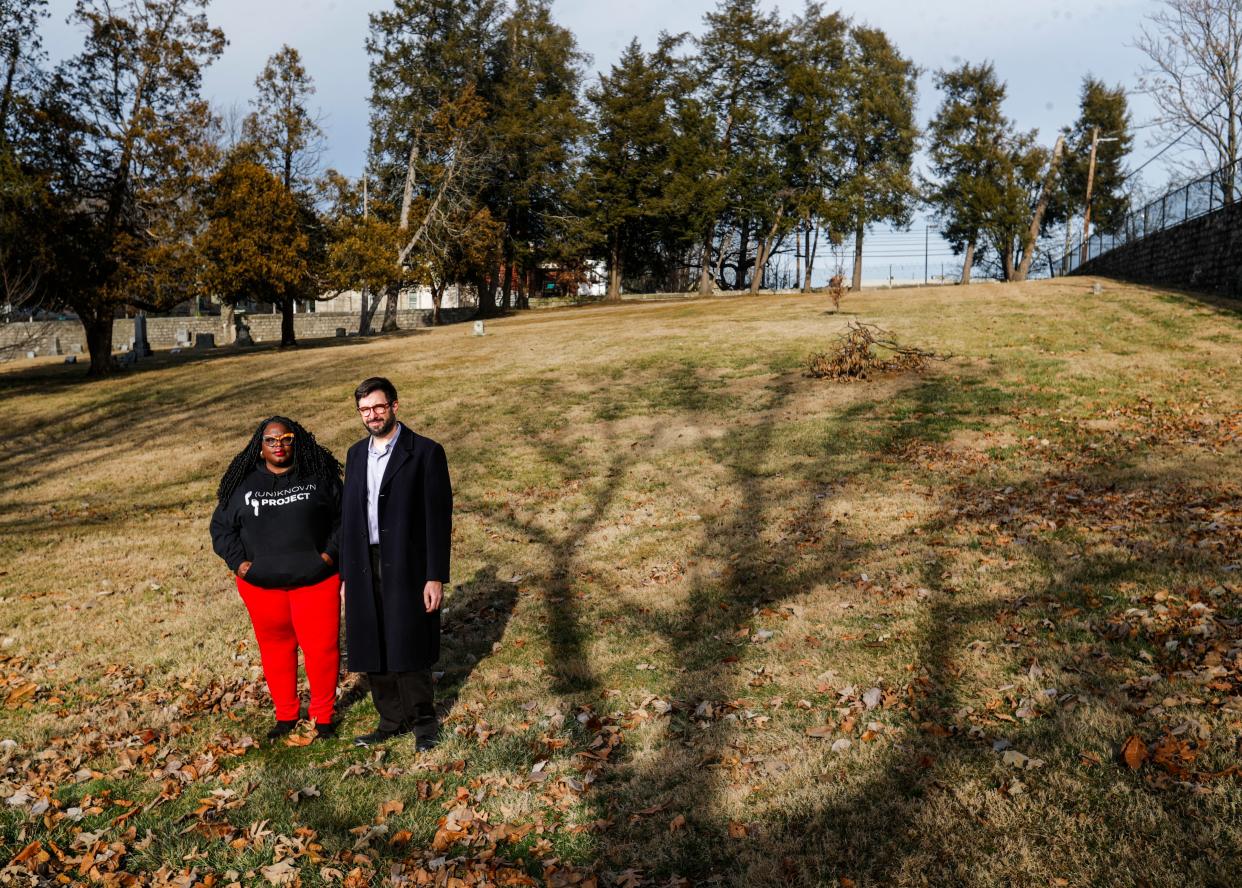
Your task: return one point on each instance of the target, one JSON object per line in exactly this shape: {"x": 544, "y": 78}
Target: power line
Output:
{"x": 1183, "y": 135}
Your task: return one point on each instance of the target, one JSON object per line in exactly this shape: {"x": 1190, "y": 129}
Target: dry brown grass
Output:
{"x": 667, "y": 534}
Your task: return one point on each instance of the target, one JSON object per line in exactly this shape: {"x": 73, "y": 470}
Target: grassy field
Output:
{"x": 711, "y": 621}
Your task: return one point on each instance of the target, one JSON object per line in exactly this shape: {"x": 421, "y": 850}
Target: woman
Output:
{"x": 275, "y": 525}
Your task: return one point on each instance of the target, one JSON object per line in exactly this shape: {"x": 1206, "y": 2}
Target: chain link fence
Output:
{"x": 1204, "y": 195}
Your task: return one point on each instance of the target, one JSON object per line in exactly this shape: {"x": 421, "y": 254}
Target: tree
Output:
{"x": 19, "y": 52}
{"x": 535, "y": 120}
{"x": 738, "y": 78}
{"x": 967, "y": 143}
{"x": 255, "y": 244}
{"x": 119, "y": 140}
{"x": 1194, "y": 76}
{"x": 281, "y": 127}
{"x": 1102, "y": 111}
{"x": 427, "y": 55}
{"x": 620, "y": 195}
{"x": 877, "y": 137}
{"x": 814, "y": 86}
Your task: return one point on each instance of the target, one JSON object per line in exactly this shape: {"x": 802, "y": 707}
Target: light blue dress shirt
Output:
{"x": 377, "y": 462}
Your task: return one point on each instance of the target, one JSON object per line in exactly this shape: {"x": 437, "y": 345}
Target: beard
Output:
{"x": 390, "y": 421}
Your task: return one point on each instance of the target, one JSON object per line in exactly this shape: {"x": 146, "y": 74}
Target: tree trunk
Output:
{"x": 506, "y": 287}
{"x": 1006, "y": 251}
{"x": 798, "y": 257}
{"x": 705, "y": 270}
{"x": 743, "y": 251}
{"x": 764, "y": 251}
{"x": 614, "y": 271}
{"x": 288, "y": 338}
{"x": 390, "y": 310}
{"x": 812, "y": 247}
{"x": 364, "y": 317}
{"x": 1037, "y": 218}
{"x": 99, "y": 341}
{"x": 859, "y": 233}
{"x": 487, "y": 293}
{"x": 437, "y": 296}
{"x": 968, "y": 262}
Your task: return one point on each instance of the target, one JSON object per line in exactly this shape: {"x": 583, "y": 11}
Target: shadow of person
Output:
{"x": 474, "y": 619}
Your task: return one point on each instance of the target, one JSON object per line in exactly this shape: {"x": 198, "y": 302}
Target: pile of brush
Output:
{"x": 864, "y": 351}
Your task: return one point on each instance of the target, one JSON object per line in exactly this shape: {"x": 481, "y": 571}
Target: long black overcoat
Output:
{"x": 392, "y": 631}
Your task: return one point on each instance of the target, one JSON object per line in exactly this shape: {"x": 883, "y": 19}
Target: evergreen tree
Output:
{"x": 967, "y": 143}
{"x": 288, "y": 137}
{"x": 877, "y": 137}
{"x": 814, "y": 74}
{"x": 256, "y": 243}
{"x": 535, "y": 121}
{"x": 738, "y": 77}
{"x": 621, "y": 194}
{"x": 427, "y": 55}
{"x": 1104, "y": 111}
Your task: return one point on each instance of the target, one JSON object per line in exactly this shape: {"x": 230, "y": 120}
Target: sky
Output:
{"x": 1041, "y": 48}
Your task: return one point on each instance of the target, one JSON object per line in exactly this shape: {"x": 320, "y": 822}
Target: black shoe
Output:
{"x": 426, "y": 743}
{"x": 281, "y": 728}
{"x": 325, "y": 730}
{"x": 379, "y": 735}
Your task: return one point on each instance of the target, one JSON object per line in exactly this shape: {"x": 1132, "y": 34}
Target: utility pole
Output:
{"x": 925, "y": 256}
{"x": 1086, "y": 216}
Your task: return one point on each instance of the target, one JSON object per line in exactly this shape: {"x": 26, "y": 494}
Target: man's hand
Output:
{"x": 327, "y": 559}
{"x": 433, "y": 594}
{"x": 243, "y": 569}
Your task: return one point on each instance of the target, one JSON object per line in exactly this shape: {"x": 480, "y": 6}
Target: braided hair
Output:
{"x": 311, "y": 460}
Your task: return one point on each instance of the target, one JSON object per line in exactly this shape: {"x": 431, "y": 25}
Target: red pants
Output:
{"x": 286, "y": 619}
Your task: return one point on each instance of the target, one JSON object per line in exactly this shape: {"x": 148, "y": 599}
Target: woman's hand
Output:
{"x": 243, "y": 569}
{"x": 327, "y": 559}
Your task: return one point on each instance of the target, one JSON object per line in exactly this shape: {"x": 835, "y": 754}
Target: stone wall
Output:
{"x": 68, "y": 337}
{"x": 1201, "y": 255}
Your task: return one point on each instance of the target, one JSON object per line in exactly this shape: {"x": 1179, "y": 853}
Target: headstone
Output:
{"x": 32, "y": 354}
{"x": 340, "y": 332}
{"x": 243, "y": 334}
{"x": 142, "y": 348}
{"x": 183, "y": 337}
{"x": 478, "y": 328}
{"x": 1097, "y": 288}
{"x": 55, "y": 348}
{"x": 204, "y": 340}
{"x": 71, "y": 359}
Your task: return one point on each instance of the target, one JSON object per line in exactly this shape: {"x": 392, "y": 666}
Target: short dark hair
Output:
{"x": 375, "y": 384}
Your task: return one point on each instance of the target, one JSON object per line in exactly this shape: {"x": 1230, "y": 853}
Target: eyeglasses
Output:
{"x": 378, "y": 408}
{"x": 273, "y": 440}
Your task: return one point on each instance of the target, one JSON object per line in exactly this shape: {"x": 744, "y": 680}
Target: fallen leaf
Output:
{"x": 737, "y": 830}
{"x": 821, "y": 731}
{"x": 677, "y": 823}
{"x": 1134, "y": 752}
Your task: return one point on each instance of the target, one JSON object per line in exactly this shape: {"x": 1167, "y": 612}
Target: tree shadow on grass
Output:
{"x": 876, "y": 817}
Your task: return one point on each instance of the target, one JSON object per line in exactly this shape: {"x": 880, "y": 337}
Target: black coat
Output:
{"x": 393, "y": 632}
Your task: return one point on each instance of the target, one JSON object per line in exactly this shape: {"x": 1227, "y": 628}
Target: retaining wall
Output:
{"x": 1202, "y": 254}
{"x": 68, "y": 337}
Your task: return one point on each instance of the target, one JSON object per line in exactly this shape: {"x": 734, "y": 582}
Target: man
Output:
{"x": 396, "y": 528}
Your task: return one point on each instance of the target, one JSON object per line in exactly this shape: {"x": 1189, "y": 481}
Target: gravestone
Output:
{"x": 340, "y": 332}
{"x": 55, "y": 347}
{"x": 1097, "y": 288}
{"x": 478, "y": 328}
{"x": 183, "y": 337}
{"x": 71, "y": 359}
{"x": 204, "y": 341}
{"x": 142, "y": 348}
{"x": 243, "y": 334}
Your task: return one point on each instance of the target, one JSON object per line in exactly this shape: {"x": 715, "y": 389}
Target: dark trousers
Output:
{"x": 404, "y": 700}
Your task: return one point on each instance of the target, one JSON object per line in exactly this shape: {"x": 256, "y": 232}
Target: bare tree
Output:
{"x": 1194, "y": 75}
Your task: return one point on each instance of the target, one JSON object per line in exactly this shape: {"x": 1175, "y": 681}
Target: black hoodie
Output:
{"x": 280, "y": 524}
